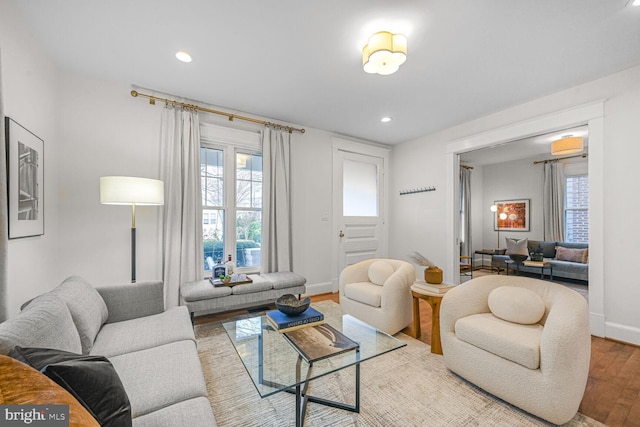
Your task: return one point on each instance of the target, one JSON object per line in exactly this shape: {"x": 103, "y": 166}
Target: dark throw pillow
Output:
{"x": 92, "y": 380}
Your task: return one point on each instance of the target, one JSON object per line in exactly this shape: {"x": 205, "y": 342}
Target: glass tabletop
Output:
{"x": 271, "y": 361}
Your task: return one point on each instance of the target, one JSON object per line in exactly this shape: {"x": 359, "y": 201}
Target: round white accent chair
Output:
{"x": 378, "y": 292}
{"x": 540, "y": 366}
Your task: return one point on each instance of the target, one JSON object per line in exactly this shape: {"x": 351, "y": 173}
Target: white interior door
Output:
{"x": 359, "y": 208}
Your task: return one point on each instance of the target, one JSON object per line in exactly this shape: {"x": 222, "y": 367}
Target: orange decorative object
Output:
{"x": 433, "y": 275}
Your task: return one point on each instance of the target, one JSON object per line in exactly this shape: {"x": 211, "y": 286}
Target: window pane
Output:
{"x": 212, "y": 236}
{"x": 248, "y": 180}
{"x": 248, "y": 238}
{"x": 576, "y": 216}
{"x": 360, "y": 189}
{"x": 212, "y": 176}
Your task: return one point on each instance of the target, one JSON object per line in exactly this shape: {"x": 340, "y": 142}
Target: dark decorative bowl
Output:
{"x": 292, "y": 306}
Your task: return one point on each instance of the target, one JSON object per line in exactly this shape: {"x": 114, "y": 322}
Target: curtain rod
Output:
{"x": 561, "y": 158}
{"x": 231, "y": 117}
{"x": 466, "y": 167}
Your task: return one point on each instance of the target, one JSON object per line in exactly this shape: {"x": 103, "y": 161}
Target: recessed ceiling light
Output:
{"x": 183, "y": 56}
{"x": 385, "y": 119}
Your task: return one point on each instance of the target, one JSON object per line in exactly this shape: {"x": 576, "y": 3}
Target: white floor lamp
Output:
{"x": 127, "y": 190}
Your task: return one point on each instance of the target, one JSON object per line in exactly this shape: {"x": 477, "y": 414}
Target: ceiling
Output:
{"x": 300, "y": 61}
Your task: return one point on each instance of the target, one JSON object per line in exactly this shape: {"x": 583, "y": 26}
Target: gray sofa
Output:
{"x": 566, "y": 269}
{"x": 153, "y": 350}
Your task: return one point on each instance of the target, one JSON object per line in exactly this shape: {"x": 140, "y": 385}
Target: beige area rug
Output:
{"x": 407, "y": 387}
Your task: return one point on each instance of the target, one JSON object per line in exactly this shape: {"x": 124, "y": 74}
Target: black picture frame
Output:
{"x": 25, "y": 181}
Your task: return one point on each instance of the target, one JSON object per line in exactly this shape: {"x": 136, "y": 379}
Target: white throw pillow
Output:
{"x": 517, "y": 247}
{"x": 517, "y": 305}
{"x": 379, "y": 272}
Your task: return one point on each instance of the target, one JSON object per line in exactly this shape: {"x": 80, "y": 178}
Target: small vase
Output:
{"x": 433, "y": 275}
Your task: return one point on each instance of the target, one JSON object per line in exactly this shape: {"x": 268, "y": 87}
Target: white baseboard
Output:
{"x": 596, "y": 325}
{"x": 319, "y": 288}
{"x": 623, "y": 333}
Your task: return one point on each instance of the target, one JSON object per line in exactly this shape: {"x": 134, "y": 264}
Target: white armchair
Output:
{"x": 378, "y": 292}
{"x": 539, "y": 366}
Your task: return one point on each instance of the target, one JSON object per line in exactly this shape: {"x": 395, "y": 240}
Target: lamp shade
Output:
{"x": 129, "y": 190}
{"x": 567, "y": 145}
{"x": 384, "y": 53}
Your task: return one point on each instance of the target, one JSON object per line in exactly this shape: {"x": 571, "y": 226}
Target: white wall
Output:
{"x": 424, "y": 160}
{"x": 519, "y": 179}
{"x": 29, "y": 82}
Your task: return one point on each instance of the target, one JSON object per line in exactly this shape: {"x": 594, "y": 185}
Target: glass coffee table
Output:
{"x": 274, "y": 365}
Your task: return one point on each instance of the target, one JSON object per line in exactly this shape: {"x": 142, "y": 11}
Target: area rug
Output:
{"x": 407, "y": 387}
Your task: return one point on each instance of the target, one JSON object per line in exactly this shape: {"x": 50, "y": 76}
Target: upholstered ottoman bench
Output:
{"x": 203, "y": 298}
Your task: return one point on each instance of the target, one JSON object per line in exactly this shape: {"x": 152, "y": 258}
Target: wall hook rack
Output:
{"x": 417, "y": 190}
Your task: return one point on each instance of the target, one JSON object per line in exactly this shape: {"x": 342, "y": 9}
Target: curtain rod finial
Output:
{"x": 134, "y": 93}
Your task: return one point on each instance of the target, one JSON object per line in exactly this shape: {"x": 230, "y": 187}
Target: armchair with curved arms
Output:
{"x": 552, "y": 386}
{"x": 378, "y": 292}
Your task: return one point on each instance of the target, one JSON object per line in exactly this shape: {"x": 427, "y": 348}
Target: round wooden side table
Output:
{"x": 434, "y": 299}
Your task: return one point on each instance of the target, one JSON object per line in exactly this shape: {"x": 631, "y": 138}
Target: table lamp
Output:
{"x": 127, "y": 190}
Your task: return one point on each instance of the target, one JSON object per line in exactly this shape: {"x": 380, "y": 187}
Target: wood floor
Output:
{"x": 612, "y": 395}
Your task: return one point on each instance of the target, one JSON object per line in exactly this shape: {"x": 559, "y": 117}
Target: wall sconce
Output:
{"x": 384, "y": 53}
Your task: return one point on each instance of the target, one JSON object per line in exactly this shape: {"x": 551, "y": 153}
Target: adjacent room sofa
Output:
{"x": 561, "y": 267}
{"x": 153, "y": 350}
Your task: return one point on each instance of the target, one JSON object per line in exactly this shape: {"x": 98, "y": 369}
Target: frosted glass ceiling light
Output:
{"x": 385, "y": 119}
{"x": 567, "y": 145}
{"x": 183, "y": 56}
{"x": 384, "y": 53}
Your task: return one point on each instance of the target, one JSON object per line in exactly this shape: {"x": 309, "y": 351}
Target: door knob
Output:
{"x": 341, "y": 234}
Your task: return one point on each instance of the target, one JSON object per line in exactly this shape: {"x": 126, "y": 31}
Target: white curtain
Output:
{"x": 276, "y": 209}
{"x": 465, "y": 212}
{"x": 553, "y": 201}
{"x": 4, "y": 233}
{"x": 183, "y": 259}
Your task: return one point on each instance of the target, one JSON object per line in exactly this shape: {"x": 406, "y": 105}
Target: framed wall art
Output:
{"x": 511, "y": 215}
{"x": 25, "y": 181}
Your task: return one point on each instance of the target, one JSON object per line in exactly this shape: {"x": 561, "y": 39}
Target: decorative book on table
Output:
{"x": 319, "y": 342}
{"x": 283, "y": 322}
{"x": 431, "y": 287}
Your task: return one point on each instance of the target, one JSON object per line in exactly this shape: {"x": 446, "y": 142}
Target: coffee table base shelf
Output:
{"x": 302, "y": 398}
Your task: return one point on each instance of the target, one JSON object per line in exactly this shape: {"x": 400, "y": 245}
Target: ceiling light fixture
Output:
{"x": 568, "y": 144}
{"x": 183, "y": 56}
{"x": 633, "y": 3}
{"x": 384, "y": 53}
{"x": 385, "y": 119}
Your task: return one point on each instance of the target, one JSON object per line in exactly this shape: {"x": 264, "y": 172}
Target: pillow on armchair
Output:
{"x": 379, "y": 272}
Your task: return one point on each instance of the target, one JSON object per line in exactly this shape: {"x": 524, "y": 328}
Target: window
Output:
{"x": 576, "y": 213}
{"x": 231, "y": 182}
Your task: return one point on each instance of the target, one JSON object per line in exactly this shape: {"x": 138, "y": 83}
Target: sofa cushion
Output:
{"x": 379, "y": 272}
{"x": 45, "y": 322}
{"x": 88, "y": 378}
{"x": 572, "y": 254}
{"x": 144, "y": 332}
{"x": 515, "y": 304}
{"x": 87, "y": 308}
{"x": 23, "y": 385}
{"x": 161, "y": 376}
{"x": 283, "y": 279}
{"x": 192, "y": 412}
{"x": 364, "y": 292}
{"x": 203, "y": 290}
{"x": 512, "y": 341}
{"x": 517, "y": 247}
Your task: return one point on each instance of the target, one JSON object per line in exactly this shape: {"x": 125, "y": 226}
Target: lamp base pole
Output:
{"x": 133, "y": 255}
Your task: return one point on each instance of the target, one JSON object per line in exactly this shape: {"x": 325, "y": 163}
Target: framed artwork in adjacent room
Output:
{"x": 25, "y": 181}
{"x": 511, "y": 215}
